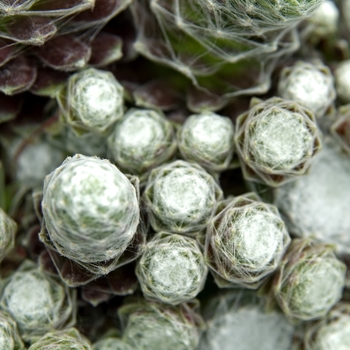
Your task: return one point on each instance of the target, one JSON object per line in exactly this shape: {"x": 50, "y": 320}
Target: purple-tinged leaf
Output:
{"x": 65, "y": 53}
{"x": 48, "y": 82}
{"x": 157, "y": 94}
{"x": 28, "y": 30}
{"x": 17, "y": 76}
{"x": 106, "y": 48}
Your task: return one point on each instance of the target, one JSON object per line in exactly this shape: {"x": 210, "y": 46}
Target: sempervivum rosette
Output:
{"x": 91, "y": 212}
{"x": 245, "y": 242}
{"x": 180, "y": 197}
{"x": 276, "y": 140}
{"x": 227, "y": 48}
{"x": 92, "y": 101}
{"x": 156, "y": 326}
{"x": 37, "y": 302}
{"x": 310, "y": 280}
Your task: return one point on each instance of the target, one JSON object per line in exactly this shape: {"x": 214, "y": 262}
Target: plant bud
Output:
{"x": 207, "y": 139}
{"x": 310, "y": 280}
{"x": 91, "y": 211}
{"x": 171, "y": 269}
{"x": 245, "y": 242}
{"x": 276, "y": 140}
{"x": 92, "y": 101}
{"x": 142, "y": 140}
{"x": 180, "y": 197}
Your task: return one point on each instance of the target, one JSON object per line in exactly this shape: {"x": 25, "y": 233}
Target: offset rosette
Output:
{"x": 207, "y": 139}
{"x": 92, "y": 101}
{"x": 310, "y": 280}
{"x": 62, "y": 340}
{"x": 38, "y": 303}
{"x": 180, "y": 197}
{"x": 8, "y": 229}
{"x": 150, "y": 325}
{"x": 142, "y": 140}
{"x": 91, "y": 212}
{"x": 9, "y": 335}
{"x": 245, "y": 242}
{"x": 276, "y": 140}
{"x": 310, "y": 85}
{"x": 331, "y": 332}
{"x": 172, "y": 269}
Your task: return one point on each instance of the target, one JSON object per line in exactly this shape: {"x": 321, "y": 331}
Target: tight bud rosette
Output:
{"x": 91, "y": 212}
{"x": 207, "y": 139}
{"x": 310, "y": 85}
{"x": 276, "y": 140}
{"x": 8, "y": 229}
{"x": 310, "y": 280}
{"x": 62, "y": 340}
{"x": 180, "y": 197}
{"x": 331, "y": 332}
{"x": 38, "y": 303}
{"x": 172, "y": 268}
{"x": 92, "y": 101}
{"x": 245, "y": 242}
{"x": 149, "y": 325}
{"x": 9, "y": 336}
{"x": 142, "y": 140}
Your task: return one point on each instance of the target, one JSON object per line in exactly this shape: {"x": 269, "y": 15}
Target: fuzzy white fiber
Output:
{"x": 317, "y": 204}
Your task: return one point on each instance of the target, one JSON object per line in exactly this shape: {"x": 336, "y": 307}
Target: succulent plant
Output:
{"x": 207, "y": 139}
{"x": 310, "y": 280}
{"x": 226, "y": 48}
{"x": 245, "y": 241}
{"x": 38, "y": 303}
{"x": 240, "y": 320}
{"x": 141, "y": 140}
{"x": 92, "y": 101}
{"x": 323, "y": 23}
{"x": 315, "y": 205}
{"x": 276, "y": 140}
{"x": 180, "y": 197}
{"x": 171, "y": 269}
{"x": 8, "y": 229}
{"x": 157, "y": 326}
{"x": 62, "y": 340}
{"x": 311, "y": 85}
{"x": 91, "y": 212}
{"x": 9, "y": 336}
{"x": 332, "y": 332}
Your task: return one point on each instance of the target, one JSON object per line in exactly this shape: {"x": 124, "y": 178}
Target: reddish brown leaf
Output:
{"x": 65, "y": 53}
{"x": 17, "y": 76}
